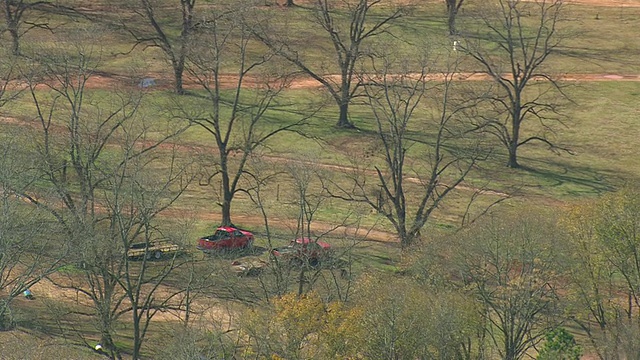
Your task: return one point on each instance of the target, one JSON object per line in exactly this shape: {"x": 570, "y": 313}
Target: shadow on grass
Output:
{"x": 593, "y": 55}
{"x": 51, "y": 317}
{"x": 576, "y": 180}
{"x": 376, "y": 256}
{"x": 233, "y": 254}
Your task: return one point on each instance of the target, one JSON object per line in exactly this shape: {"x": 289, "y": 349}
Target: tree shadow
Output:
{"x": 593, "y": 56}
{"x": 580, "y": 180}
{"x": 232, "y": 254}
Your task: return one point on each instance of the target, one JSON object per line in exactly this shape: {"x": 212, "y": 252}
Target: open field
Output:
{"x": 597, "y": 65}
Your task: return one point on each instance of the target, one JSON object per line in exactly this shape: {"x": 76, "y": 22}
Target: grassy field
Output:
{"x": 599, "y": 121}
{"x": 601, "y": 128}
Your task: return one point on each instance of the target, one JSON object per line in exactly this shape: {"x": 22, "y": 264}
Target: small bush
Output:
{"x": 559, "y": 345}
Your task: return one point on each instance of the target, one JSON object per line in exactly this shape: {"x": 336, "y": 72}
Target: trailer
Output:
{"x": 152, "y": 250}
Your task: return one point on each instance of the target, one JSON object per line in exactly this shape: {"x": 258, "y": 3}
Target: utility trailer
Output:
{"x": 152, "y": 250}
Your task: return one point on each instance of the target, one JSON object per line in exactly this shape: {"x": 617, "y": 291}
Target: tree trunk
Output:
{"x": 343, "y": 120}
{"x": 513, "y": 157}
{"x": 227, "y": 191}
{"x": 452, "y": 11}
{"x": 404, "y": 242}
{"x": 12, "y": 17}
{"x": 515, "y": 133}
{"x": 136, "y": 335}
{"x": 408, "y": 238}
{"x": 6, "y": 320}
{"x": 106, "y": 341}
{"x": 226, "y": 213}
{"x": 301, "y": 281}
{"x": 15, "y": 42}
{"x": 178, "y": 70}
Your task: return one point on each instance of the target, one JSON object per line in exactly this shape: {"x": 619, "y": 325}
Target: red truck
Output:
{"x": 303, "y": 250}
{"x": 226, "y": 238}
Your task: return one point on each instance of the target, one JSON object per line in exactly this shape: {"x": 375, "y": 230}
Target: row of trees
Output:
{"x": 395, "y": 89}
{"x": 104, "y": 166}
{"x": 506, "y": 286}
{"x": 509, "y": 41}
{"x": 96, "y": 181}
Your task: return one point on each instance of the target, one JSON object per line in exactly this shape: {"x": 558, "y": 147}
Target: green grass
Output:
{"x": 590, "y": 134}
{"x": 590, "y": 172}
{"x": 595, "y": 39}
{"x": 601, "y": 40}
{"x": 593, "y": 132}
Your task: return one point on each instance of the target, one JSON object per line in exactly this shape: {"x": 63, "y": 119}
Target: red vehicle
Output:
{"x": 226, "y": 238}
{"x": 304, "y": 250}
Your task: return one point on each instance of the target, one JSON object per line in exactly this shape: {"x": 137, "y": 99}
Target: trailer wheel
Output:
{"x": 158, "y": 255}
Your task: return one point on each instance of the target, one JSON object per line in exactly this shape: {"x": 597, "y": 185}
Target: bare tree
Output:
{"x": 511, "y": 44}
{"x": 27, "y": 252}
{"x": 592, "y": 278}
{"x": 22, "y": 16}
{"x": 453, "y": 6}
{"x": 397, "y": 101}
{"x": 136, "y": 197}
{"x": 14, "y": 12}
{"x": 310, "y": 196}
{"x": 26, "y": 256}
{"x": 150, "y": 28}
{"x": 306, "y": 194}
{"x": 237, "y": 120}
{"x": 70, "y": 165}
{"x": 508, "y": 263}
{"x": 349, "y": 25}
{"x": 109, "y": 183}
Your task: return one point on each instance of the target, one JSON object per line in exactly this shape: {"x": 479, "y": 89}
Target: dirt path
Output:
{"x": 606, "y": 3}
{"x": 336, "y": 230}
{"x": 112, "y": 81}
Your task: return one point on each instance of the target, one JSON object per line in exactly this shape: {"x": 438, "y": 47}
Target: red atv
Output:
{"x": 303, "y": 251}
{"x": 226, "y": 238}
